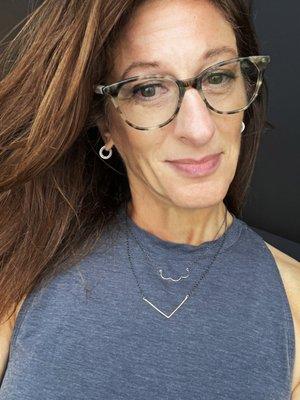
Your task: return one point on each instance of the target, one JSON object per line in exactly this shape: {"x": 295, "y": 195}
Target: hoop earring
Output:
{"x": 243, "y": 127}
{"x": 102, "y": 155}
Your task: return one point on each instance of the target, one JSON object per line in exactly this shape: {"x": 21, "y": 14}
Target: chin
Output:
{"x": 193, "y": 198}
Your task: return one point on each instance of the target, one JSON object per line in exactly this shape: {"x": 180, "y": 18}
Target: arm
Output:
{"x": 296, "y": 393}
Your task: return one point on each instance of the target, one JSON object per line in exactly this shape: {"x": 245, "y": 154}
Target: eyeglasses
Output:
{"x": 148, "y": 102}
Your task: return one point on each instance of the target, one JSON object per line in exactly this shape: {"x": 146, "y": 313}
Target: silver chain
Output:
{"x": 151, "y": 262}
{"x": 194, "y": 286}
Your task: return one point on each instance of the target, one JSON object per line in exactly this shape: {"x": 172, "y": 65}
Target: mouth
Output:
{"x": 193, "y": 168}
{"x": 195, "y": 161}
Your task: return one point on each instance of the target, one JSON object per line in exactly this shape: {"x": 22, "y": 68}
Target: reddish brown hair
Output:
{"x": 56, "y": 194}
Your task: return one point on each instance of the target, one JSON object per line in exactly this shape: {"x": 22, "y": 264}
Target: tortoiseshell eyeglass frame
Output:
{"x": 112, "y": 90}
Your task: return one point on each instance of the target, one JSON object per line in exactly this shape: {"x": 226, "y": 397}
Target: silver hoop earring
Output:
{"x": 243, "y": 127}
{"x": 102, "y": 155}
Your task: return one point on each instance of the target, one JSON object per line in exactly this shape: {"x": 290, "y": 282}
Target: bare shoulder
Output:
{"x": 6, "y": 330}
{"x": 282, "y": 255}
{"x": 7, "y": 327}
{"x": 9, "y": 323}
{"x": 289, "y": 269}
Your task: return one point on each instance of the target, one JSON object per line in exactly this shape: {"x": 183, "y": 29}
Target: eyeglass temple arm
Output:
{"x": 99, "y": 89}
{"x": 108, "y": 89}
{"x": 261, "y": 61}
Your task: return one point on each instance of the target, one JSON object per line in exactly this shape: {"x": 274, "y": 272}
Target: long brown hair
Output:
{"x": 56, "y": 194}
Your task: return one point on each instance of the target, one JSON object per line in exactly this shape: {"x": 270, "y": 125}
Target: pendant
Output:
{"x": 167, "y": 316}
{"x": 174, "y": 280}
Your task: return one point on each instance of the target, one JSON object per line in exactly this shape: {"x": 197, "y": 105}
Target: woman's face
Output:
{"x": 176, "y": 35}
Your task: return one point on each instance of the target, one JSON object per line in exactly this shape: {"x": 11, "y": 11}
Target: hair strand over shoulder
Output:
{"x": 56, "y": 194}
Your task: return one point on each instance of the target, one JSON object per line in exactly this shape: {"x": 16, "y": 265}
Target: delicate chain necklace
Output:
{"x": 194, "y": 286}
{"x": 160, "y": 270}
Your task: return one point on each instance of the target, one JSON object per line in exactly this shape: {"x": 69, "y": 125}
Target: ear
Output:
{"x": 108, "y": 140}
{"x": 105, "y": 133}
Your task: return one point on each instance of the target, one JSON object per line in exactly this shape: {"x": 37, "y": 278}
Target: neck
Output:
{"x": 178, "y": 225}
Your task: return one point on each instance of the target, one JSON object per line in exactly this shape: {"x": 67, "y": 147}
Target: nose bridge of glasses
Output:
{"x": 190, "y": 83}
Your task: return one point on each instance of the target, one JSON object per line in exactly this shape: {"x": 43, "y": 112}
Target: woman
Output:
{"x": 158, "y": 290}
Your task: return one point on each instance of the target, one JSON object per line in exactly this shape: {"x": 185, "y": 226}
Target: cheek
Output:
{"x": 230, "y": 163}
{"x": 232, "y": 144}
{"x": 135, "y": 147}
{"x": 120, "y": 135}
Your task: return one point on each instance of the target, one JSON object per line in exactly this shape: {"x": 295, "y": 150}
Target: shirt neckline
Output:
{"x": 160, "y": 246}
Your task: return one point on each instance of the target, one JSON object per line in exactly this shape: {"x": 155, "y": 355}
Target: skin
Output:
{"x": 182, "y": 210}
{"x": 174, "y": 208}
{"x": 176, "y": 34}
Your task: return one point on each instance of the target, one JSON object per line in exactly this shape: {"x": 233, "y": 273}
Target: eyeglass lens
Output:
{"x": 151, "y": 102}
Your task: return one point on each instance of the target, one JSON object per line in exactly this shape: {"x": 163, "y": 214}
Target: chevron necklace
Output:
{"x": 194, "y": 286}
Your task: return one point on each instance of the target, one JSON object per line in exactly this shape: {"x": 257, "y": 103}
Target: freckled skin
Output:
{"x": 176, "y": 34}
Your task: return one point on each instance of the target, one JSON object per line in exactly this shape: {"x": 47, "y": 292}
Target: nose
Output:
{"x": 193, "y": 121}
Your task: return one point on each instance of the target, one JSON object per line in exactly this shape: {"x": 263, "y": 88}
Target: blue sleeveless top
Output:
{"x": 88, "y": 334}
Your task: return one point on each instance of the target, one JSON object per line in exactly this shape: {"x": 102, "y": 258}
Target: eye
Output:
{"x": 149, "y": 90}
{"x": 220, "y": 78}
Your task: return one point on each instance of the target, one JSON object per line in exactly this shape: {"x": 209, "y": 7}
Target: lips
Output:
{"x": 195, "y": 161}
{"x": 196, "y": 168}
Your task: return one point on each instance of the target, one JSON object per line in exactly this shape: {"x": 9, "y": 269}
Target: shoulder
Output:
{"x": 289, "y": 269}
{"x": 8, "y": 326}
{"x": 6, "y": 330}
{"x": 12, "y": 320}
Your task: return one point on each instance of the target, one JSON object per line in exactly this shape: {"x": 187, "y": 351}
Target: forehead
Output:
{"x": 176, "y": 33}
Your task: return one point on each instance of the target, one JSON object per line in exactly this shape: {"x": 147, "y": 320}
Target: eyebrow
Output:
{"x": 206, "y": 56}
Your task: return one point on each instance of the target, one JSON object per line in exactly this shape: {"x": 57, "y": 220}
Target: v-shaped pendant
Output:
{"x": 167, "y": 316}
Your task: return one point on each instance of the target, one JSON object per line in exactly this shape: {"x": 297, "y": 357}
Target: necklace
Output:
{"x": 160, "y": 270}
{"x": 194, "y": 286}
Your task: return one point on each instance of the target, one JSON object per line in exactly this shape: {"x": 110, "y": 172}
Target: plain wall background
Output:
{"x": 274, "y": 198}
{"x": 274, "y": 203}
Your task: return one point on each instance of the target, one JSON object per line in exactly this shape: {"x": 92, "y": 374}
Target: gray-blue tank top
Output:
{"x": 89, "y": 335}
